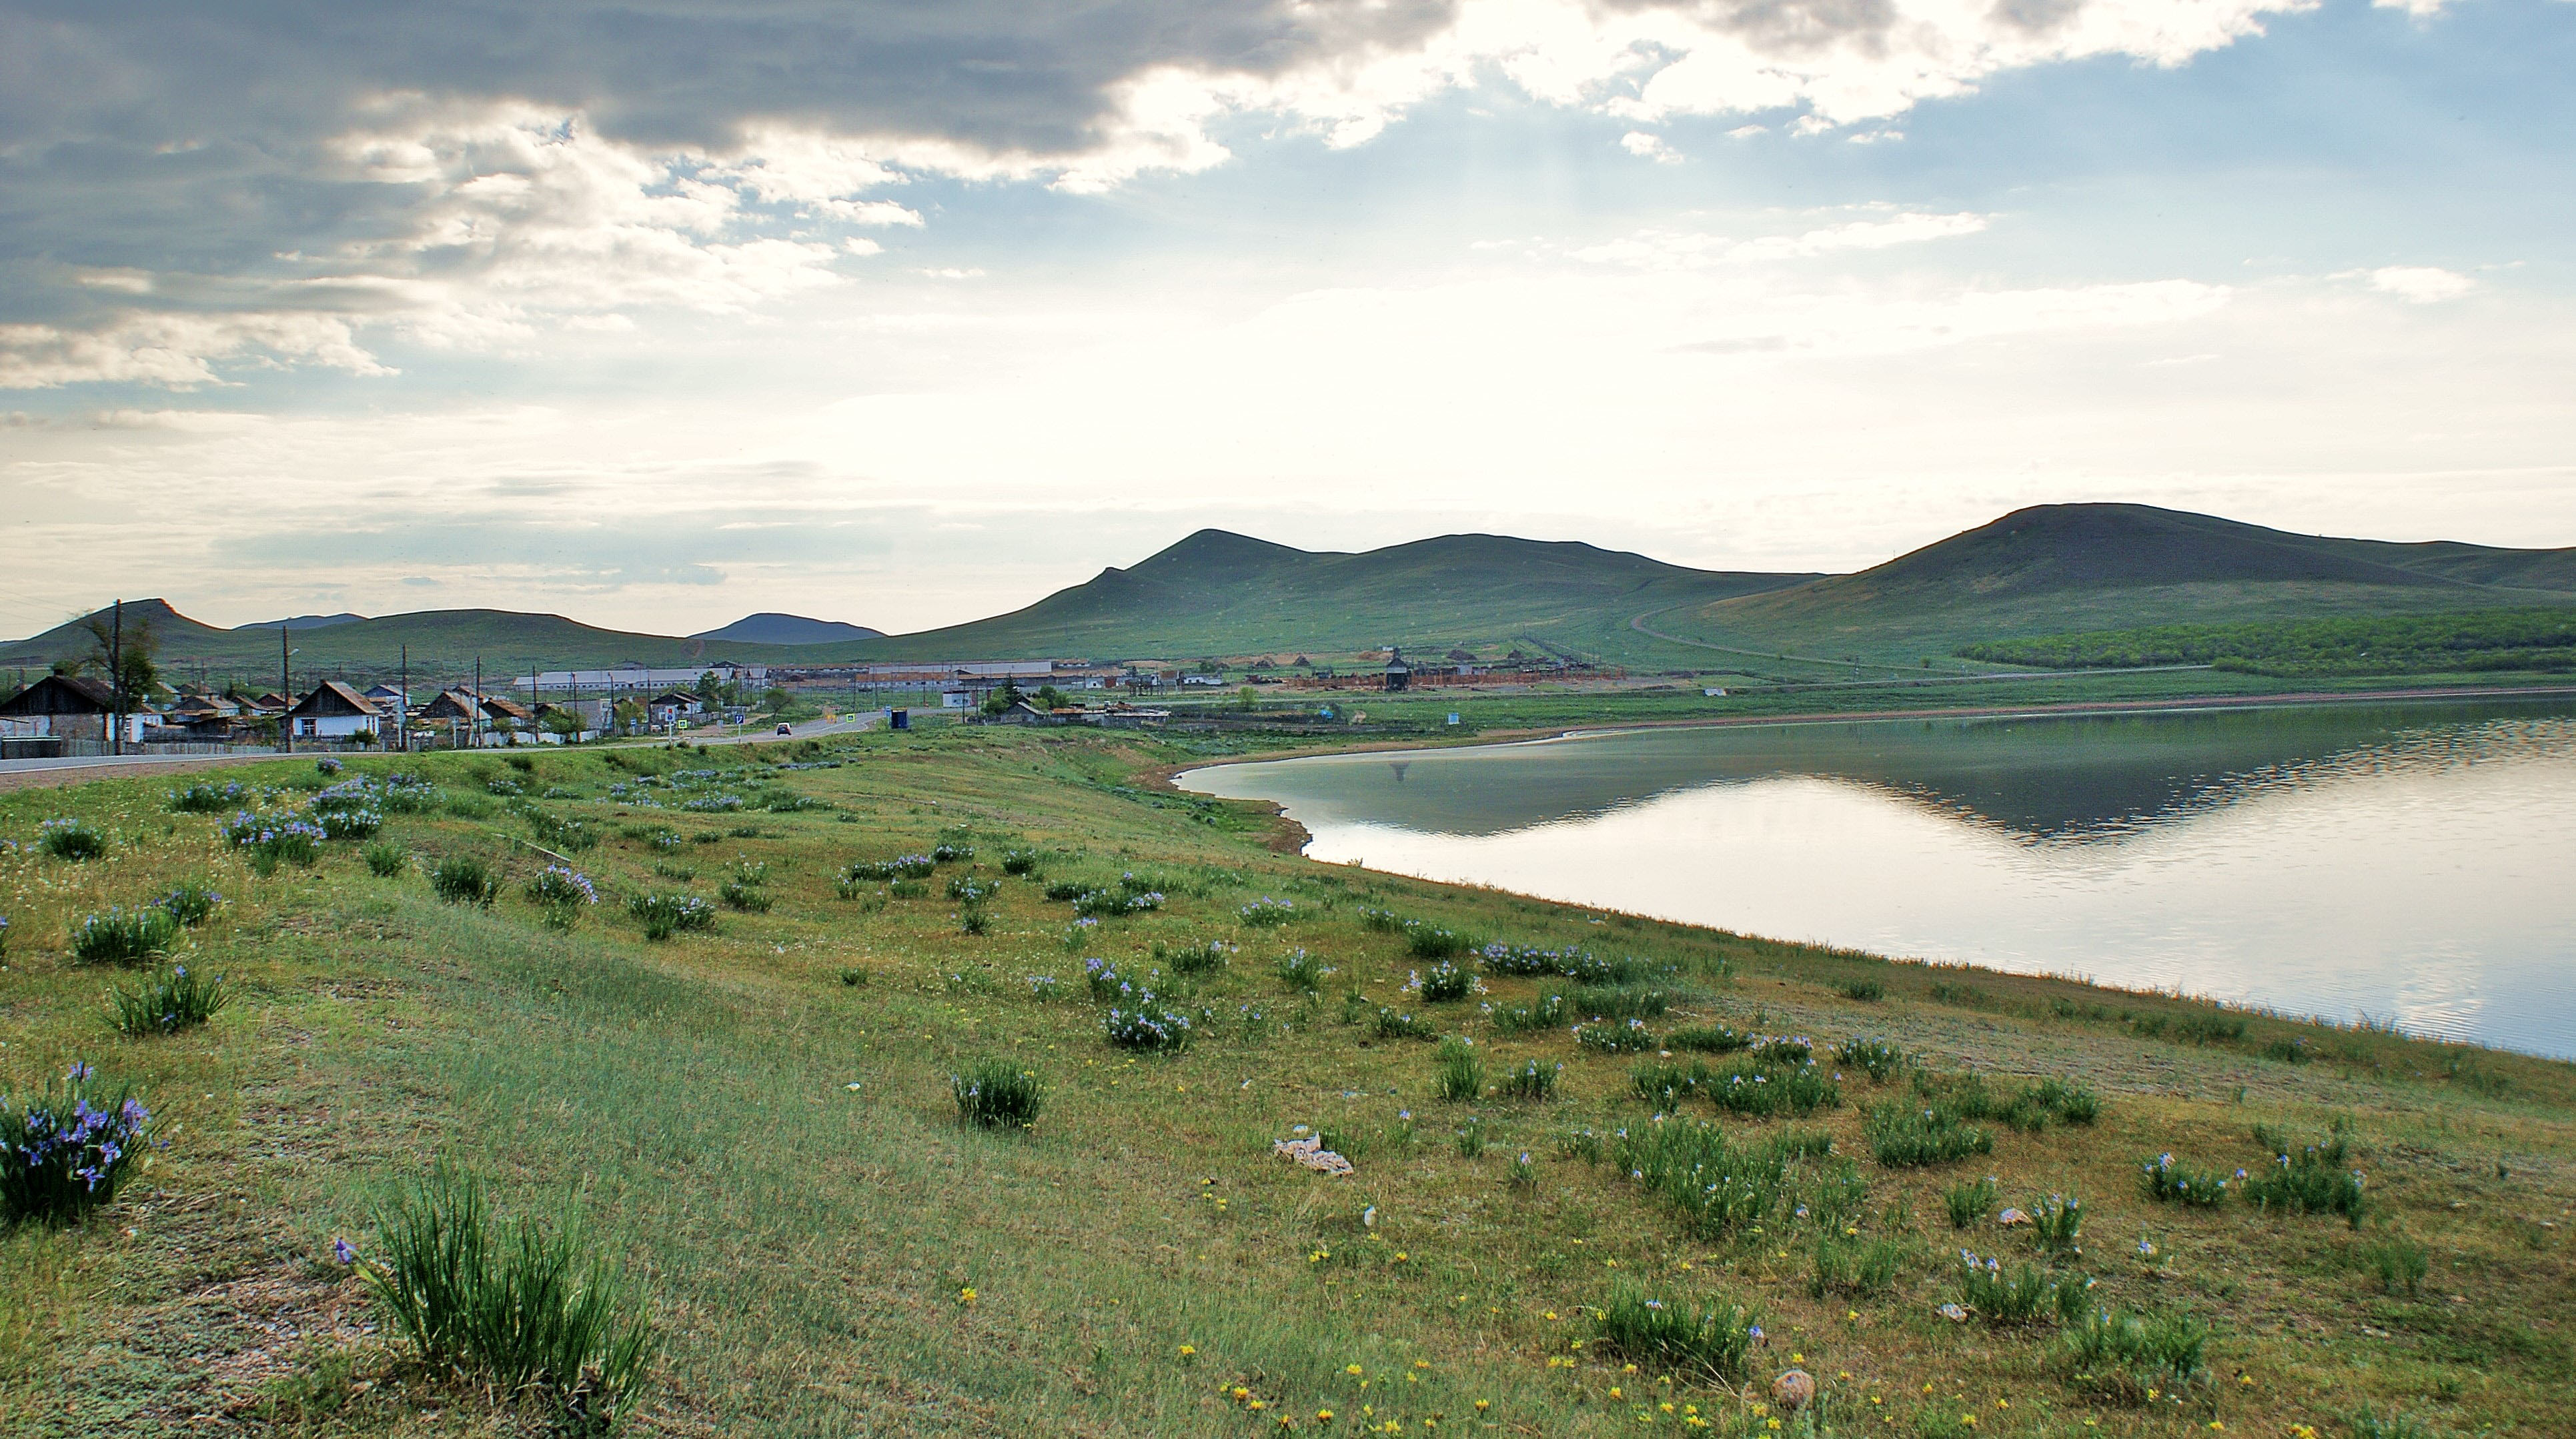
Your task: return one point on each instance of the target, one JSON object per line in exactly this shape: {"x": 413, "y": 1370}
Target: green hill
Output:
{"x": 1217, "y": 593}
{"x": 2057, "y": 569}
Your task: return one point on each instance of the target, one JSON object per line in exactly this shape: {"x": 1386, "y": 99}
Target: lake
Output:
{"x": 2410, "y": 861}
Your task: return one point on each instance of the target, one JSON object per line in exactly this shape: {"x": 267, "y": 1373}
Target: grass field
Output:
{"x": 757, "y": 1122}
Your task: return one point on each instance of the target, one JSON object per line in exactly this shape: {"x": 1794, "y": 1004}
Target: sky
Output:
{"x": 658, "y": 313}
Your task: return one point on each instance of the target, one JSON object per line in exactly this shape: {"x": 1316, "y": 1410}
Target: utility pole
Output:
{"x": 478, "y": 701}
{"x": 116, "y": 678}
{"x": 402, "y": 704}
{"x": 285, "y": 691}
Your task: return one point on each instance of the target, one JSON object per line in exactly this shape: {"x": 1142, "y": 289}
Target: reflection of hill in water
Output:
{"x": 2070, "y": 779}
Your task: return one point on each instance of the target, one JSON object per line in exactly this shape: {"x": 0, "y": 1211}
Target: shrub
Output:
{"x": 744, "y": 894}
{"x": 1902, "y": 1135}
{"x": 1530, "y": 1080}
{"x": 2312, "y": 1181}
{"x": 1867, "y": 991}
{"x": 1066, "y": 890}
{"x": 192, "y": 903}
{"x": 665, "y": 914}
{"x": 1202, "y": 958}
{"x": 1302, "y": 971}
{"x": 1148, "y": 1026}
{"x": 1708, "y": 1039}
{"x": 561, "y": 831}
{"x": 563, "y": 893}
{"x": 997, "y": 1092}
{"x": 1431, "y": 941}
{"x": 1443, "y": 983}
{"x": 1717, "y": 1188}
{"x": 2400, "y": 1263}
{"x": 1629, "y": 1038}
{"x": 511, "y": 1304}
{"x": 1461, "y": 1076}
{"x": 946, "y": 853}
{"x": 1874, "y": 1057}
{"x": 2021, "y": 1294}
{"x": 1267, "y": 913}
{"x": 906, "y": 866}
{"x": 70, "y": 839}
{"x": 1871, "y": 1267}
{"x": 1622, "y": 1001}
{"x": 1551, "y": 1012}
{"x": 1019, "y": 861}
{"x": 2288, "y": 1049}
{"x": 1522, "y": 959}
{"x": 2123, "y": 1358}
{"x": 386, "y": 860}
{"x": 124, "y": 936}
{"x": 2057, "y": 1222}
{"x": 1969, "y": 1203}
{"x": 68, "y": 1150}
{"x": 168, "y": 1001}
{"x": 273, "y": 839}
{"x": 205, "y": 797}
{"x": 1677, "y": 1333}
{"x": 410, "y": 794}
{"x": 1383, "y": 920}
{"x": 1764, "y": 1094}
{"x": 1392, "y": 1024}
{"x": 464, "y": 879}
{"x": 2178, "y": 1184}
{"x": 966, "y": 889}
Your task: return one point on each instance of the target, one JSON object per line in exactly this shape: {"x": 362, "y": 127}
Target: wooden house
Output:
{"x": 334, "y": 711}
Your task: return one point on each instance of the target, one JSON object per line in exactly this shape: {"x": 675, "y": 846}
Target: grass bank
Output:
{"x": 757, "y": 1123}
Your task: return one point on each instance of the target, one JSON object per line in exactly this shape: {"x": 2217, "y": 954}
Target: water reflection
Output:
{"x": 2408, "y": 860}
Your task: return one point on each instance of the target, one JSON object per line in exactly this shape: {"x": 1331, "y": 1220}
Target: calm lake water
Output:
{"x": 2406, "y": 861}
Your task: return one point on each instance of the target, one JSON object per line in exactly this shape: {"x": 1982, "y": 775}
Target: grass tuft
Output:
{"x": 124, "y": 936}
{"x": 1678, "y": 1333}
{"x": 168, "y": 1001}
{"x": 464, "y": 879}
{"x": 998, "y": 1093}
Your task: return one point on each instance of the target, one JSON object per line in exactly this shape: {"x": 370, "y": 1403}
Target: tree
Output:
{"x": 561, "y": 722}
{"x": 777, "y": 700}
{"x": 710, "y": 689}
{"x": 1049, "y": 697}
{"x": 1001, "y": 700}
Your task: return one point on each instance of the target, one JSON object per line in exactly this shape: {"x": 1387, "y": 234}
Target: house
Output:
{"x": 478, "y": 714}
{"x": 582, "y": 721}
{"x": 388, "y": 699}
{"x": 1399, "y": 675}
{"x": 1023, "y": 712}
{"x": 270, "y": 702}
{"x": 671, "y": 706}
{"x": 334, "y": 711}
{"x": 956, "y": 699}
{"x": 1132, "y": 717}
{"x": 1213, "y": 681}
{"x": 63, "y": 707}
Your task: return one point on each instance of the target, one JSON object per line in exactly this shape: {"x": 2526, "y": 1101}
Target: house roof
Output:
{"x": 332, "y": 698}
{"x": 61, "y": 695}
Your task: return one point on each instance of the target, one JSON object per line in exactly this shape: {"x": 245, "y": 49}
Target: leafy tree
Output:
{"x": 1001, "y": 700}
{"x": 562, "y": 722}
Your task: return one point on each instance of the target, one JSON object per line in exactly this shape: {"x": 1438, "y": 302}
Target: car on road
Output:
{"x": 782, "y": 729}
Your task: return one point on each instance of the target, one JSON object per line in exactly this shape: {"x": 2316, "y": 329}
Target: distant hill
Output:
{"x": 771, "y": 628}
{"x": 304, "y": 622}
{"x": 1219, "y": 593}
{"x": 2055, "y": 569}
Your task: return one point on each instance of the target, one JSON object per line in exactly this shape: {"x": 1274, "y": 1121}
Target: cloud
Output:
{"x": 2419, "y": 284}
{"x": 1649, "y": 147}
{"x": 1682, "y": 249}
{"x": 272, "y": 184}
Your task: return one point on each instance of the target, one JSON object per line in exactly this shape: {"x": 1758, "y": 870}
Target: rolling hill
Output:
{"x": 772, "y": 628}
{"x": 2056, "y": 569}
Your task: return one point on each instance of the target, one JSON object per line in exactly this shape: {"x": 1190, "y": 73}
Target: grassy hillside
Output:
{"x": 2059, "y": 569}
{"x": 2529, "y": 641}
{"x": 1216, "y": 593}
{"x": 758, "y": 1123}
{"x": 444, "y": 645}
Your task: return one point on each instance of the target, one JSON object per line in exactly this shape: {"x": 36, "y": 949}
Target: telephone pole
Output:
{"x": 286, "y": 692}
{"x": 402, "y": 704}
{"x": 116, "y": 678}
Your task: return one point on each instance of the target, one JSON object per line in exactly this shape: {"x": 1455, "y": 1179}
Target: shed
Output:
{"x": 1399, "y": 675}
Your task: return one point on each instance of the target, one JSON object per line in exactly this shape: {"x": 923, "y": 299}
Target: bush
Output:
{"x": 70, "y": 839}
{"x": 1302, "y": 971}
{"x": 68, "y": 1150}
{"x": 124, "y": 936}
{"x": 997, "y": 1092}
{"x": 464, "y": 879}
{"x": 1530, "y": 1080}
{"x": 1865, "y": 1268}
{"x": 273, "y": 839}
{"x": 744, "y": 894}
{"x": 951, "y": 853}
{"x": 1461, "y": 1077}
{"x": 1763, "y": 1094}
{"x": 1019, "y": 861}
{"x": 2123, "y": 1359}
{"x": 1876, "y": 1058}
{"x": 1902, "y": 1135}
{"x": 1718, "y": 1188}
{"x": 386, "y": 860}
{"x": 192, "y": 903}
{"x": 666, "y": 914}
{"x": 1431, "y": 941}
{"x": 169, "y": 1000}
{"x": 1267, "y": 913}
{"x": 2400, "y": 1263}
{"x": 1629, "y": 1038}
{"x": 2057, "y": 1222}
{"x": 1969, "y": 1203}
{"x": 2312, "y": 1181}
{"x": 561, "y": 831}
{"x": 204, "y": 797}
{"x": 1393, "y": 1024}
{"x": 1677, "y": 1333}
{"x": 2177, "y": 1184}
{"x": 1867, "y": 991}
{"x": 1551, "y": 1012}
{"x": 2021, "y": 1294}
{"x": 563, "y": 893}
{"x": 1443, "y": 983}
{"x": 1148, "y": 1026}
{"x": 1708, "y": 1039}
{"x": 510, "y": 1304}
{"x": 410, "y": 794}
{"x": 1202, "y": 958}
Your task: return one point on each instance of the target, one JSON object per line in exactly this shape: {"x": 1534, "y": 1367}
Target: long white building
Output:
{"x": 635, "y": 677}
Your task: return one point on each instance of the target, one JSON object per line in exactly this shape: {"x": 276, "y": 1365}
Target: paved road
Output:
{"x": 26, "y": 773}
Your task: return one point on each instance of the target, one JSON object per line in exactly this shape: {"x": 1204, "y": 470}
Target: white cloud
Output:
{"x": 1649, "y": 147}
{"x": 1674, "y": 249}
{"x": 2419, "y": 284}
